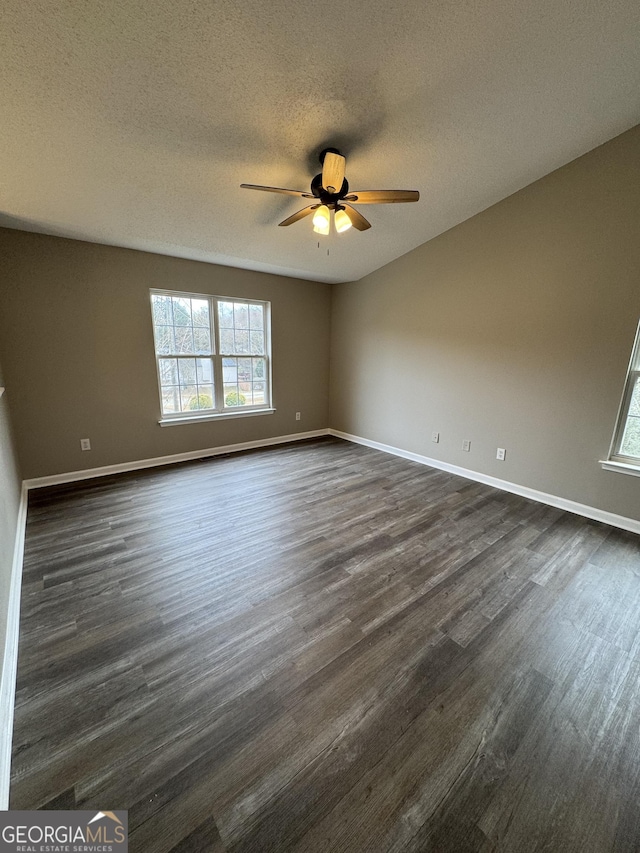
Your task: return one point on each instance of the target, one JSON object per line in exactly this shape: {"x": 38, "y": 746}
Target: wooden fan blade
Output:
{"x": 383, "y": 196}
{"x": 300, "y": 214}
{"x": 357, "y": 219}
{"x": 333, "y": 172}
{"x": 276, "y": 190}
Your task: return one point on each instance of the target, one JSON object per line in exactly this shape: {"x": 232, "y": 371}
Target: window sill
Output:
{"x": 621, "y": 467}
{"x": 217, "y": 416}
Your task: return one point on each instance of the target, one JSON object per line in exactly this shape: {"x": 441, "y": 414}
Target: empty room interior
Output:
{"x": 320, "y": 423}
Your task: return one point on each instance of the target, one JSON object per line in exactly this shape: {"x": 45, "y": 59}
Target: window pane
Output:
{"x": 204, "y": 369}
{"x": 229, "y": 370}
{"x": 184, "y": 339}
{"x": 187, "y": 370}
{"x": 241, "y": 328}
{"x": 170, "y": 401}
{"x": 244, "y": 382}
{"x": 164, "y": 340}
{"x": 226, "y": 340}
{"x": 259, "y": 398}
{"x": 162, "y": 313}
{"x": 257, "y": 343}
{"x": 240, "y": 315}
{"x": 205, "y": 397}
{"x": 631, "y": 439}
{"x": 201, "y": 340}
{"x": 233, "y": 397}
{"x": 225, "y": 314}
{"x": 181, "y": 311}
{"x": 200, "y": 313}
{"x": 188, "y": 398}
{"x": 259, "y": 368}
{"x": 244, "y": 370}
{"x": 630, "y": 445}
{"x": 256, "y": 317}
{"x": 242, "y": 341}
{"x": 168, "y": 371}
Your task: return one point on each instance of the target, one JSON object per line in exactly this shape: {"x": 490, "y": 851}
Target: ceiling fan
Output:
{"x": 331, "y": 190}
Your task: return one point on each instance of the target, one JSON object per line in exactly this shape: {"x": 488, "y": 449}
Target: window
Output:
{"x": 212, "y": 354}
{"x": 625, "y": 447}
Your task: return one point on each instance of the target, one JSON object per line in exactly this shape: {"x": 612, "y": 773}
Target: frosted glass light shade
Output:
{"x": 322, "y": 220}
{"x": 343, "y": 223}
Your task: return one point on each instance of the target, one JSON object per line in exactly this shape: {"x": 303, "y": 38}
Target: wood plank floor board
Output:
{"x": 320, "y": 647}
{"x": 453, "y": 826}
{"x": 414, "y": 777}
{"x": 189, "y": 740}
{"x": 382, "y": 720}
{"x": 204, "y": 839}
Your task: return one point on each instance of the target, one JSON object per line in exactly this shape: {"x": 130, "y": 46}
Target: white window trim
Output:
{"x": 200, "y": 415}
{"x": 620, "y": 467}
{"x": 618, "y": 461}
{"x": 212, "y": 416}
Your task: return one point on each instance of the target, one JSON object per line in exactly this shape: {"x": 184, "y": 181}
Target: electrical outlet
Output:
{"x": 466, "y": 446}
{"x": 501, "y": 454}
{"x": 297, "y": 416}
{"x": 435, "y": 437}
{"x": 85, "y": 444}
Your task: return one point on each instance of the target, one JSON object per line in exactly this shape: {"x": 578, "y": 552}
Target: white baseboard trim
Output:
{"x": 123, "y": 467}
{"x": 10, "y": 659}
{"x": 576, "y": 508}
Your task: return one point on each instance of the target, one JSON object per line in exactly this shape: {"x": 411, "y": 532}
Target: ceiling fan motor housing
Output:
{"x": 328, "y": 198}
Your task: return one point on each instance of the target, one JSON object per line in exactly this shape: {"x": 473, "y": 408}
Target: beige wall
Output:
{"x": 513, "y": 330}
{"x": 76, "y": 343}
{"x": 9, "y": 504}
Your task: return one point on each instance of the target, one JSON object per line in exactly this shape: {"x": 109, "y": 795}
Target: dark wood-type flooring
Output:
{"x": 320, "y": 647}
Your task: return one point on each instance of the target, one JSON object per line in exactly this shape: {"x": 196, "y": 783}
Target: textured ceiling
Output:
{"x": 133, "y": 122}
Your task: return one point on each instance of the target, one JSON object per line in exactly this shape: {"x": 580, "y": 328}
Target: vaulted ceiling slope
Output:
{"x": 134, "y": 122}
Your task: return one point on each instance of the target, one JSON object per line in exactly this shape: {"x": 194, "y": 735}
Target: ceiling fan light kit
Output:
{"x": 321, "y": 220}
{"x": 342, "y": 221}
{"x": 324, "y": 188}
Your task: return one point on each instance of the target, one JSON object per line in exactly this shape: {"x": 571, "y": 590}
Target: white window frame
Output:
{"x": 219, "y": 410}
{"x": 616, "y": 460}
